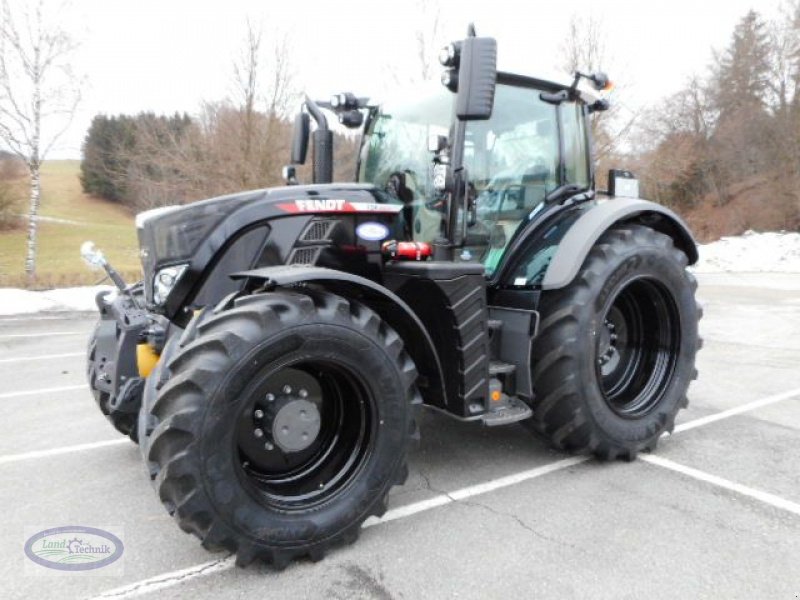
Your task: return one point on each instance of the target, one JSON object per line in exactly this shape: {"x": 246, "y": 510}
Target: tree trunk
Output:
{"x": 33, "y": 212}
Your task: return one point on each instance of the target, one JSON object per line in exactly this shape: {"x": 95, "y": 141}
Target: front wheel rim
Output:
{"x": 313, "y": 471}
{"x": 637, "y": 347}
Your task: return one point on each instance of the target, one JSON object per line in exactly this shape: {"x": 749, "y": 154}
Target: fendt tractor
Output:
{"x": 273, "y": 361}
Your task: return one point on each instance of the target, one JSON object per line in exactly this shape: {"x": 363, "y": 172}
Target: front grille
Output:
{"x": 303, "y": 256}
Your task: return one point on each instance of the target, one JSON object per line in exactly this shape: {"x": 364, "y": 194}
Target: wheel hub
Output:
{"x": 293, "y": 423}
{"x": 608, "y": 345}
{"x": 287, "y": 419}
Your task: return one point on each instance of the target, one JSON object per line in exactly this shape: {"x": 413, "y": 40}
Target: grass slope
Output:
{"x": 59, "y": 263}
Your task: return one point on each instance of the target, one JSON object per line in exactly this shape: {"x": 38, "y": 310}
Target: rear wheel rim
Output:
{"x": 637, "y": 348}
{"x": 298, "y": 479}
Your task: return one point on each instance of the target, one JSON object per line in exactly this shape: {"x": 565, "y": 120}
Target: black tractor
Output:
{"x": 272, "y": 362}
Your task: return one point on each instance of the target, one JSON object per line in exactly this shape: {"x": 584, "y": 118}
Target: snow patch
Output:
{"x": 15, "y": 301}
{"x": 751, "y": 252}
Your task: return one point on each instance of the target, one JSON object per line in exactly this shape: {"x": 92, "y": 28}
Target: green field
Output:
{"x": 59, "y": 264}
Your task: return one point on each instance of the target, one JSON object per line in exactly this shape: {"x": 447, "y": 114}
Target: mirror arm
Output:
{"x": 319, "y": 117}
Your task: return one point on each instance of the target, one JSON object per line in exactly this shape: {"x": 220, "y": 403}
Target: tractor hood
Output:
{"x": 184, "y": 241}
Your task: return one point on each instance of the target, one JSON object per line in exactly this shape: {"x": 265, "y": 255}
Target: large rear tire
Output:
{"x": 283, "y": 425}
{"x": 615, "y": 351}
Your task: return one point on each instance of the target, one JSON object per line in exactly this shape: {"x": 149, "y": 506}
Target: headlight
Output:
{"x": 164, "y": 280}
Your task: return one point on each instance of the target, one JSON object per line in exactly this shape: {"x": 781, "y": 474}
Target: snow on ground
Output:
{"x": 14, "y": 301}
{"x": 751, "y": 252}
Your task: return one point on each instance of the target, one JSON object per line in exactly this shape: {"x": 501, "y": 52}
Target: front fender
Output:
{"x": 582, "y": 235}
{"x": 389, "y": 306}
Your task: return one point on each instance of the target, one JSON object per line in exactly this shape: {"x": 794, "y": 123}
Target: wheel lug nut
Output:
{"x": 268, "y": 446}
{"x": 287, "y": 389}
{"x": 270, "y": 397}
{"x": 259, "y": 414}
{"x": 258, "y": 433}
{"x": 303, "y": 393}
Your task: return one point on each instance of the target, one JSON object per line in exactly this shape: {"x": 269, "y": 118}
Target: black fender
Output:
{"x": 582, "y": 235}
{"x": 390, "y": 307}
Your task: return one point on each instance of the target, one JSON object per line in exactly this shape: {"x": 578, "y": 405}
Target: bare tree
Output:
{"x": 246, "y": 78}
{"x": 37, "y": 86}
{"x": 263, "y": 90}
{"x": 427, "y": 40}
{"x": 584, "y": 49}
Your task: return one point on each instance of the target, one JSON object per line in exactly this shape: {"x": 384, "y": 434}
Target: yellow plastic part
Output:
{"x": 146, "y": 359}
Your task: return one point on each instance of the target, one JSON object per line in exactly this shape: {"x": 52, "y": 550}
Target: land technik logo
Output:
{"x": 74, "y": 548}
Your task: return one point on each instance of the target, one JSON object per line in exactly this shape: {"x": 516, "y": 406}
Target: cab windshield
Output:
{"x": 395, "y": 157}
{"x": 513, "y": 161}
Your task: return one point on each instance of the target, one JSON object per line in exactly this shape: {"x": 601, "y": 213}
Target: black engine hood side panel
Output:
{"x": 296, "y": 204}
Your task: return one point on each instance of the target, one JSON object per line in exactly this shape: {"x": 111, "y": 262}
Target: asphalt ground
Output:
{"x": 486, "y": 512}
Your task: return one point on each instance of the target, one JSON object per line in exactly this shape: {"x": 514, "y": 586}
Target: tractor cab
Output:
{"x": 470, "y": 178}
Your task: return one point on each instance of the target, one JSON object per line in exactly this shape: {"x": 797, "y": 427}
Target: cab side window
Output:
{"x": 513, "y": 163}
{"x": 576, "y": 160}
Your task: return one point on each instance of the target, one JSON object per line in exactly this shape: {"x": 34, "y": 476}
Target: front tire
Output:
{"x": 283, "y": 425}
{"x": 615, "y": 352}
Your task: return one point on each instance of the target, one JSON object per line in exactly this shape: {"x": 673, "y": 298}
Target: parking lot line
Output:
{"x": 64, "y": 388}
{"x": 165, "y": 580}
{"x": 402, "y": 512}
{"x": 68, "y": 317}
{"x": 42, "y": 357}
{"x": 11, "y": 458}
{"x": 173, "y": 578}
{"x": 44, "y": 334}
{"x": 732, "y": 486}
{"x": 731, "y": 412}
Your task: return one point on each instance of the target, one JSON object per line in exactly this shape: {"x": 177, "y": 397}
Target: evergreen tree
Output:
{"x": 743, "y": 70}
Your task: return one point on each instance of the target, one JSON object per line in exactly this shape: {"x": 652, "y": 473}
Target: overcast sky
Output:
{"x": 167, "y": 56}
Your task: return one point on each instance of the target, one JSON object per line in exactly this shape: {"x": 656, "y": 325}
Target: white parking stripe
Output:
{"x": 42, "y": 357}
{"x": 173, "y": 578}
{"x": 474, "y": 490}
{"x": 40, "y": 391}
{"x": 732, "y": 486}
{"x": 51, "y": 318}
{"x": 732, "y": 412}
{"x": 43, "y": 334}
{"x": 12, "y": 458}
{"x": 165, "y": 580}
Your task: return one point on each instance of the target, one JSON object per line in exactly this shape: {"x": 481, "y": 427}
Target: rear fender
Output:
{"x": 593, "y": 223}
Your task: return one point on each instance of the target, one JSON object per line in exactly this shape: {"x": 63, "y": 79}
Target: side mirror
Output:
{"x": 600, "y": 81}
{"x": 300, "y": 139}
{"x": 477, "y": 78}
